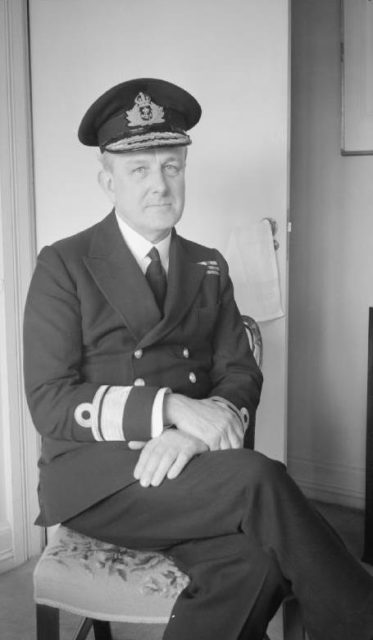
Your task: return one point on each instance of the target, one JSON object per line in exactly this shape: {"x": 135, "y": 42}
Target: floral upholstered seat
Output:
{"x": 96, "y": 579}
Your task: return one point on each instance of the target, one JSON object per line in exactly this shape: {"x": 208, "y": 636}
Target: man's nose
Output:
{"x": 159, "y": 181}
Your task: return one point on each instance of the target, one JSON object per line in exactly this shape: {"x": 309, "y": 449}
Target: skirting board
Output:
{"x": 327, "y": 482}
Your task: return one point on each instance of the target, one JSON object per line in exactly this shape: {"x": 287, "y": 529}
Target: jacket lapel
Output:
{"x": 121, "y": 280}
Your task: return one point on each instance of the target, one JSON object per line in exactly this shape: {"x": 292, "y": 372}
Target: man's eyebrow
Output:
{"x": 130, "y": 160}
{"x": 140, "y": 160}
{"x": 173, "y": 157}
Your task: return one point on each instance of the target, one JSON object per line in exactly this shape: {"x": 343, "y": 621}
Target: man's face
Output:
{"x": 148, "y": 189}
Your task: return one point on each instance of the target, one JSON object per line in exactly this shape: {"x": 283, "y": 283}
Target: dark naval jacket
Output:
{"x": 97, "y": 351}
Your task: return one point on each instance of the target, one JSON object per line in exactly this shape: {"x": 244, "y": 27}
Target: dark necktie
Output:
{"x": 156, "y": 276}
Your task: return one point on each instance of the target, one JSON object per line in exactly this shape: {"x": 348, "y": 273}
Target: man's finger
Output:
{"x": 135, "y": 445}
{"x": 143, "y": 459}
{"x": 235, "y": 439}
{"x": 154, "y": 461}
{"x": 177, "y": 467}
{"x": 225, "y": 444}
{"x": 163, "y": 467}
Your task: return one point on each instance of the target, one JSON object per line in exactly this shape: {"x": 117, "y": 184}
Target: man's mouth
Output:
{"x": 159, "y": 204}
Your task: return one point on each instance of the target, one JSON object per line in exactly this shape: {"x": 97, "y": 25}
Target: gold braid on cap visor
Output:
{"x": 146, "y": 140}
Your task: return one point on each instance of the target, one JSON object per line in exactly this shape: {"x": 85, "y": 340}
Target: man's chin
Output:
{"x": 163, "y": 217}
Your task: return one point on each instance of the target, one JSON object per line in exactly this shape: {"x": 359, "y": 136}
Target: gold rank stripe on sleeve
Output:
{"x": 112, "y": 410}
{"x": 104, "y": 415}
{"x": 212, "y": 267}
{"x": 119, "y": 413}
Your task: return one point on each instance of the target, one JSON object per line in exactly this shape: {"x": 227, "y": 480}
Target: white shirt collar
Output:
{"x": 140, "y": 246}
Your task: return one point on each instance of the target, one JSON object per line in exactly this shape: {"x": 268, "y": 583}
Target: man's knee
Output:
{"x": 260, "y": 470}
{"x": 270, "y": 471}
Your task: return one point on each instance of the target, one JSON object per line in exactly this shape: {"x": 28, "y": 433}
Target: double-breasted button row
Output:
{"x": 139, "y": 353}
{"x": 140, "y": 382}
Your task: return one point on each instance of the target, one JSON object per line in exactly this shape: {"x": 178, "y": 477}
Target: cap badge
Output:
{"x": 144, "y": 112}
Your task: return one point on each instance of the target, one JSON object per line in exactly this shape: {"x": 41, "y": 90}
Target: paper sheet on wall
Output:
{"x": 254, "y": 271}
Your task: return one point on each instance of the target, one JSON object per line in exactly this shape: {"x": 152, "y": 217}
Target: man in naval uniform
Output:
{"x": 141, "y": 382}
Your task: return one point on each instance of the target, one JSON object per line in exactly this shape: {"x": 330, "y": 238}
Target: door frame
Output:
{"x": 20, "y": 538}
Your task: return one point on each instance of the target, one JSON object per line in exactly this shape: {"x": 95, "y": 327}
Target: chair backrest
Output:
{"x": 256, "y": 344}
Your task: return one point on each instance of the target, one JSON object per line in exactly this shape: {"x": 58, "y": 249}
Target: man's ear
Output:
{"x": 106, "y": 182}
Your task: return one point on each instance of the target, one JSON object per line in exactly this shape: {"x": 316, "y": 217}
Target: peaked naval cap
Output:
{"x": 140, "y": 114}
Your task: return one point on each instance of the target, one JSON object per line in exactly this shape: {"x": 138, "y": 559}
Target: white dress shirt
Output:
{"x": 140, "y": 246}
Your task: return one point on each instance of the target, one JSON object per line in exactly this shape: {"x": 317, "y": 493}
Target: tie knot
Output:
{"x": 153, "y": 254}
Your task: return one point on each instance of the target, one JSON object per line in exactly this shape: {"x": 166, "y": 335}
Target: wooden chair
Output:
{"x": 102, "y": 582}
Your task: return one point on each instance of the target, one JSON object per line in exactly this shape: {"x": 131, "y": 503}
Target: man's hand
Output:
{"x": 207, "y": 420}
{"x": 166, "y": 455}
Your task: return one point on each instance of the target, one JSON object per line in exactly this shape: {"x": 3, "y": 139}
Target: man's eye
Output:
{"x": 172, "y": 169}
{"x": 139, "y": 171}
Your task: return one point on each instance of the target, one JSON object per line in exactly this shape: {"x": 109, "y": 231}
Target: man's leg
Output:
{"x": 234, "y": 590}
{"x": 230, "y": 492}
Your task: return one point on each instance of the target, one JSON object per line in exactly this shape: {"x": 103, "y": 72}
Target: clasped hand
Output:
{"x": 201, "y": 425}
{"x": 213, "y": 422}
{"x": 165, "y": 455}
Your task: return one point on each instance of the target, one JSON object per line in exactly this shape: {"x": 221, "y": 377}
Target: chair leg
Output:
{"x": 83, "y": 630}
{"x": 102, "y": 630}
{"x": 292, "y": 620}
{"x": 47, "y": 623}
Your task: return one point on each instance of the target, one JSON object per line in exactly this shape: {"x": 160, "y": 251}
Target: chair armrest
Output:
{"x": 256, "y": 345}
{"x": 255, "y": 338}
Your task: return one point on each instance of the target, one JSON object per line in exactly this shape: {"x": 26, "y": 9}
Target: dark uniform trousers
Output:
{"x": 237, "y": 524}
{"x": 97, "y": 350}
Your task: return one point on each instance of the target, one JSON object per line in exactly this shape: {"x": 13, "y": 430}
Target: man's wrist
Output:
{"x": 172, "y": 404}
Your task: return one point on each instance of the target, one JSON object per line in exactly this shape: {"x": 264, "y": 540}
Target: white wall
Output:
{"x": 233, "y": 56}
{"x": 331, "y": 268}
